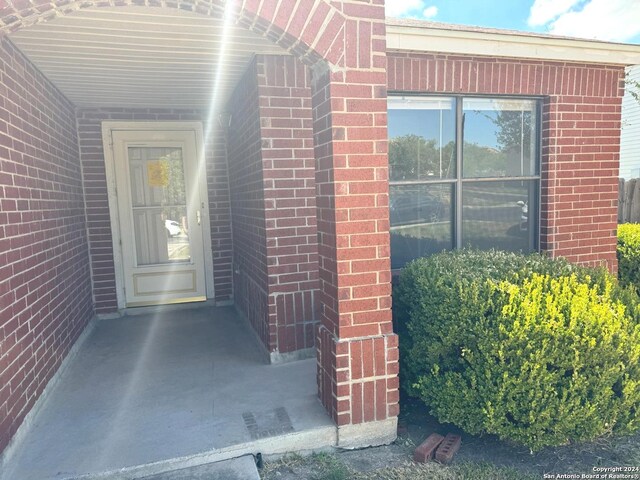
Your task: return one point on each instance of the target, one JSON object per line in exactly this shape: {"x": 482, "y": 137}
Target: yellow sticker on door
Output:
{"x": 158, "y": 173}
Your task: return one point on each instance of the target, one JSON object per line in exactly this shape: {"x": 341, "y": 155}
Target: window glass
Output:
{"x": 499, "y": 137}
{"x": 421, "y": 138}
{"x": 421, "y": 221}
{"x": 500, "y": 215}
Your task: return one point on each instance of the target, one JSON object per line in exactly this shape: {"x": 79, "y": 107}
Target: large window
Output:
{"x": 464, "y": 171}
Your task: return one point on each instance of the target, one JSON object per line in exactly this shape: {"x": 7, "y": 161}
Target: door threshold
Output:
{"x": 160, "y": 303}
{"x": 134, "y": 311}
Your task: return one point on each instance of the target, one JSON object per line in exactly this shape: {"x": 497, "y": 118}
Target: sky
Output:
{"x": 609, "y": 20}
{"x": 478, "y": 126}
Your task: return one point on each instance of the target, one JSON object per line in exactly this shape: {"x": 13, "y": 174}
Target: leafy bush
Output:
{"x": 537, "y": 351}
{"x": 629, "y": 254}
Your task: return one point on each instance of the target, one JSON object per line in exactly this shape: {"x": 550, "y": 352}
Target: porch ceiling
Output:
{"x": 132, "y": 57}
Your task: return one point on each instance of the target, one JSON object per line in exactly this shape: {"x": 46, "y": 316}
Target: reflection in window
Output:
{"x": 421, "y": 221}
{"x": 498, "y": 139}
{"x": 499, "y": 215}
{"x": 159, "y": 205}
{"x": 421, "y": 138}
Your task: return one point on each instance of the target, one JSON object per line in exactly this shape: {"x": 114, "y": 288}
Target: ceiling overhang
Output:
{"x": 141, "y": 57}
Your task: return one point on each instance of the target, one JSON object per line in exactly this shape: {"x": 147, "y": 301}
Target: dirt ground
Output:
{"x": 483, "y": 457}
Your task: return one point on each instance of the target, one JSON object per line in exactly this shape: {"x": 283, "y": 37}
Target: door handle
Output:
{"x": 198, "y": 216}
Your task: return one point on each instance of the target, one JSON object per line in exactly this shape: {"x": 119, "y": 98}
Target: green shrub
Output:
{"x": 537, "y": 351}
{"x": 629, "y": 254}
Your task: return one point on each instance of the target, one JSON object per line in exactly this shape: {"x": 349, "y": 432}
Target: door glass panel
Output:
{"x": 159, "y": 205}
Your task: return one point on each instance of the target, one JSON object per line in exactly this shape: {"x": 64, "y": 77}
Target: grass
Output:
{"x": 434, "y": 471}
{"x": 319, "y": 466}
{"x": 397, "y": 465}
{"x": 484, "y": 458}
{"x": 325, "y": 466}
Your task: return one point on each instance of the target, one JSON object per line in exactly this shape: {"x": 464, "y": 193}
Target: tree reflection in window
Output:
{"x": 491, "y": 203}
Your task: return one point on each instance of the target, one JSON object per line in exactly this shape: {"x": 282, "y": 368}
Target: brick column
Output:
{"x": 357, "y": 349}
{"x": 288, "y": 170}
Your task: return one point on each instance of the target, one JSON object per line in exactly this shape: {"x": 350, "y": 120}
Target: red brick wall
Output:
{"x": 247, "y": 205}
{"x": 350, "y": 117}
{"x": 580, "y": 137}
{"x": 272, "y": 176}
{"x": 98, "y": 220}
{"x": 351, "y": 143}
{"x": 290, "y": 200}
{"x": 45, "y": 284}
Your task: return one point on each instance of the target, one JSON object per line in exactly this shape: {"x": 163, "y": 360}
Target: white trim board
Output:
{"x": 456, "y": 39}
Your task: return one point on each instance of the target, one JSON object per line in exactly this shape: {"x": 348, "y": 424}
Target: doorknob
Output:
{"x": 198, "y": 216}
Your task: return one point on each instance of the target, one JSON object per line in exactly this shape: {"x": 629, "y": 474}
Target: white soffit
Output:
{"x": 140, "y": 57}
{"x": 432, "y": 37}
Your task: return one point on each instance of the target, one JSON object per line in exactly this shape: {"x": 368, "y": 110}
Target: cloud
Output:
{"x": 410, "y": 8}
{"x": 611, "y": 20}
{"x": 403, "y": 8}
{"x": 430, "y": 12}
{"x": 543, "y": 11}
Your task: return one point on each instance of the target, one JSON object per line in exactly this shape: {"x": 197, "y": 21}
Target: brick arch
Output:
{"x": 311, "y": 30}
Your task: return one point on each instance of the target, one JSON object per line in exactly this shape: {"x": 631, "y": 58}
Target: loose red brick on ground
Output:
{"x": 424, "y": 452}
{"x": 448, "y": 448}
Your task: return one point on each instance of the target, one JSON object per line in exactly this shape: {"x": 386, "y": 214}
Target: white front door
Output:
{"x": 161, "y": 204}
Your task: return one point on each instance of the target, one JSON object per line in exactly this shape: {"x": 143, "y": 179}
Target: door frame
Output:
{"x": 108, "y": 127}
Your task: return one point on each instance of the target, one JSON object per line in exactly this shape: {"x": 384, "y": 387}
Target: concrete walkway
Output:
{"x": 157, "y": 392}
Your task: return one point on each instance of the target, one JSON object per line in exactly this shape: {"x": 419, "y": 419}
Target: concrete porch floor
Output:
{"x": 166, "y": 390}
